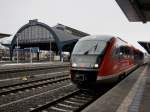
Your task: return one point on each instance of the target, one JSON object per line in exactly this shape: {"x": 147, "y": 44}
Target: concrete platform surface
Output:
{"x": 145, "y": 103}
{"x": 130, "y": 95}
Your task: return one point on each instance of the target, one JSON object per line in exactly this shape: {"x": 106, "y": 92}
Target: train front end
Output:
{"x": 86, "y": 60}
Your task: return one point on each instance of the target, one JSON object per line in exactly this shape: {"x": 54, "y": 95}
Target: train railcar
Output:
{"x": 101, "y": 59}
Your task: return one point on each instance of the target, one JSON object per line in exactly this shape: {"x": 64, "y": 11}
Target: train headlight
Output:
{"x": 96, "y": 66}
{"x": 74, "y": 65}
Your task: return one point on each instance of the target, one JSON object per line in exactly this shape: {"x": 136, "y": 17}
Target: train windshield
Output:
{"x": 89, "y": 47}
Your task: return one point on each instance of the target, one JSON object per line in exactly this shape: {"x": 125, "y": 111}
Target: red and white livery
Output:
{"x": 102, "y": 58}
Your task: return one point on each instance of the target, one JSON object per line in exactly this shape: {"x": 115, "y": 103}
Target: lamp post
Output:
{"x": 50, "y": 48}
{"x": 30, "y": 55}
{"x": 50, "y": 52}
{"x": 17, "y": 48}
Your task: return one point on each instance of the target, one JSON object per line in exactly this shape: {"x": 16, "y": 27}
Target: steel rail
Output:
{"x": 35, "y": 84}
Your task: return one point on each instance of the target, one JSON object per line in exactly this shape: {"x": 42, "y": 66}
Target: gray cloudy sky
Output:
{"x": 91, "y": 16}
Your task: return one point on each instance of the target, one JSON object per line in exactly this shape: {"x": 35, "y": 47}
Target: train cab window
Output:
{"x": 115, "y": 52}
{"x": 89, "y": 47}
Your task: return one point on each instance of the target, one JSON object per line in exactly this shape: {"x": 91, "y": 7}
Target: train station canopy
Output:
{"x": 2, "y": 35}
{"x": 145, "y": 45}
{"x": 135, "y": 10}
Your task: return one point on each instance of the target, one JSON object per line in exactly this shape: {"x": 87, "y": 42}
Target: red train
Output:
{"x": 102, "y": 59}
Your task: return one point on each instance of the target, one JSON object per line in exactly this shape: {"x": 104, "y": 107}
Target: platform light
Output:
{"x": 74, "y": 65}
{"x": 96, "y": 66}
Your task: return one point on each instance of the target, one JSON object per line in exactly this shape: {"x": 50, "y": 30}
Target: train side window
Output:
{"x": 130, "y": 53}
{"x": 127, "y": 52}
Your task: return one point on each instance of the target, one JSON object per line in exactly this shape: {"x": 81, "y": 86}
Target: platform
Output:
{"x": 7, "y": 66}
{"x": 130, "y": 95}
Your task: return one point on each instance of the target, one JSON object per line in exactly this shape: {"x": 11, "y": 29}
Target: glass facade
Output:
{"x": 34, "y": 34}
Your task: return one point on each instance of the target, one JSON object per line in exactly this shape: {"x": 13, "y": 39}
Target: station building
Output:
{"x": 37, "y": 37}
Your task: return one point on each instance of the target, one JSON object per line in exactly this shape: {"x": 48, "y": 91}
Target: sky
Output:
{"x": 95, "y": 17}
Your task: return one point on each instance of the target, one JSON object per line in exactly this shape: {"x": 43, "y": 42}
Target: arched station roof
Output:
{"x": 39, "y": 34}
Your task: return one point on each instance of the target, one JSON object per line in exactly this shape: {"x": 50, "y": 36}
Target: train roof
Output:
{"x": 97, "y": 37}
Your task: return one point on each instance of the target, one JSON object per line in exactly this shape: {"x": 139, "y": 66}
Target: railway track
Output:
{"x": 26, "y": 71}
{"x": 55, "y": 97}
{"x": 72, "y": 102}
{"x": 35, "y": 97}
{"x": 32, "y": 84}
{"x": 59, "y": 97}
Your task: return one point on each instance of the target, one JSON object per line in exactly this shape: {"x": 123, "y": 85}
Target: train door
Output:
{"x": 115, "y": 59}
